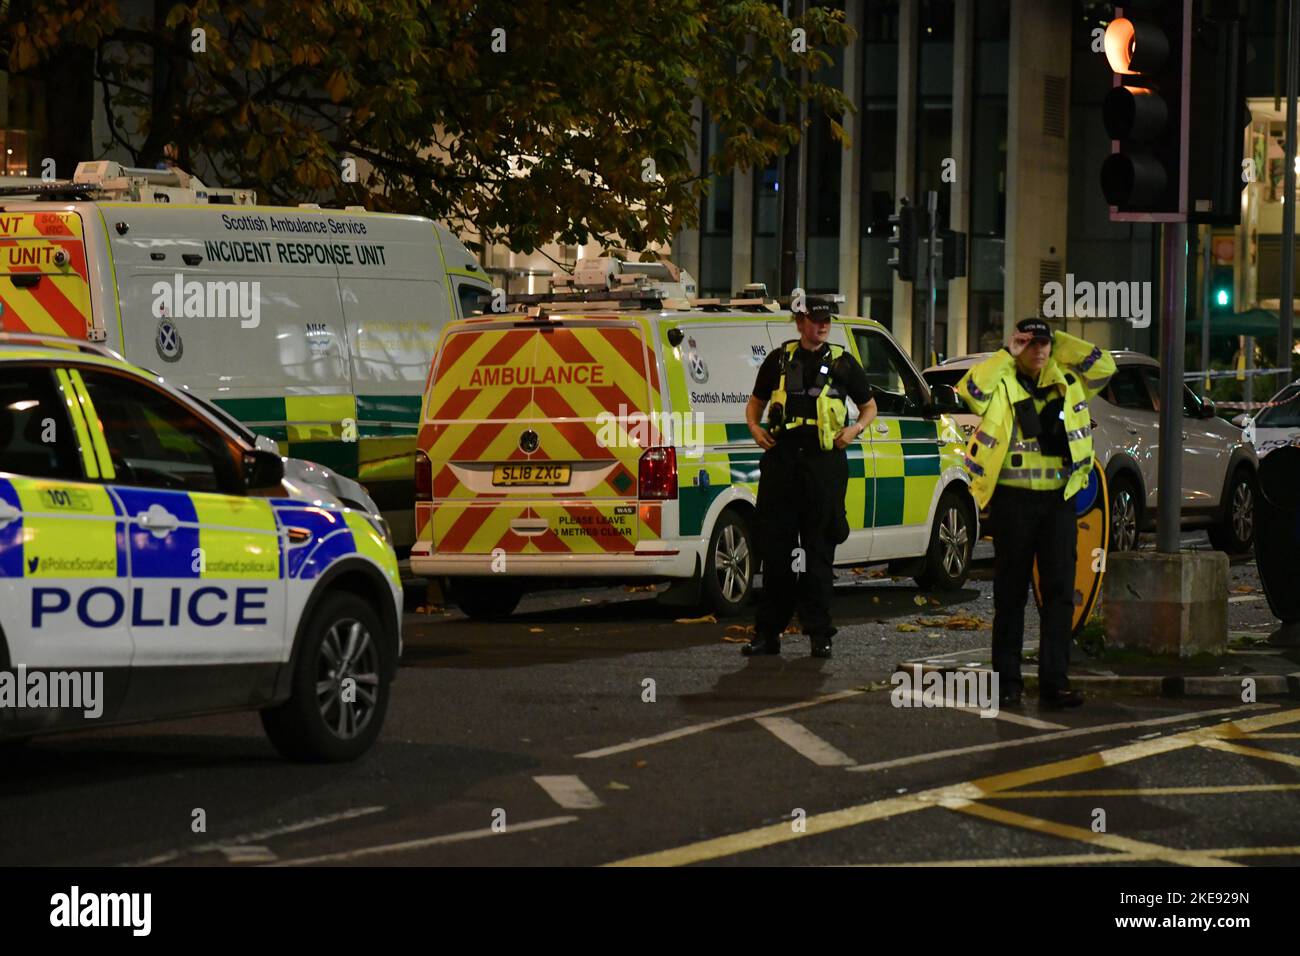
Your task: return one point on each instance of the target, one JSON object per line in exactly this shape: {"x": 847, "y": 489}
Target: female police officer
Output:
{"x": 804, "y": 476}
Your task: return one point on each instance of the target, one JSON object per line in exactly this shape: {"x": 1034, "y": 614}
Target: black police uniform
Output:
{"x": 790, "y": 517}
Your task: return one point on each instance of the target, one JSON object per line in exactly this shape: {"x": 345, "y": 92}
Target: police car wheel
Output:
{"x": 729, "y": 566}
{"x": 339, "y": 695}
{"x": 947, "y": 561}
{"x": 1236, "y": 533}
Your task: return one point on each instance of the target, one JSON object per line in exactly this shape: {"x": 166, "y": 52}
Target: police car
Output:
{"x": 601, "y": 434}
{"x": 143, "y": 538}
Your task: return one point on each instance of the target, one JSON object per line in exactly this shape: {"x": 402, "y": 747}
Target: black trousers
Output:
{"x": 800, "y": 505}
{"x": 1028, "y": 525}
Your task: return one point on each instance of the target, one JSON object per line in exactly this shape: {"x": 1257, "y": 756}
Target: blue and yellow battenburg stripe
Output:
{"x": 80, "y": 530}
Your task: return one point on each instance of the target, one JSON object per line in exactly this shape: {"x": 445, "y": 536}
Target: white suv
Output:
{"x": 1219, "y": 466}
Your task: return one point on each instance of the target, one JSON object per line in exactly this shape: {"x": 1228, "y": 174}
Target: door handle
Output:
{"x": 158, "y": 521}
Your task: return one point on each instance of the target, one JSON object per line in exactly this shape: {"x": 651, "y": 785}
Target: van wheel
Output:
{"x": 947, "y": 561}
{"x": 1235, "y": 534}
{"x": 729, "y": 566}
{"x": 326, "y": 719}
{"x": 486, "y": 599}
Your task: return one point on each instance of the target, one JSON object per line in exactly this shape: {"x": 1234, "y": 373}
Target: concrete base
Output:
{"x": 1175, "y": 604}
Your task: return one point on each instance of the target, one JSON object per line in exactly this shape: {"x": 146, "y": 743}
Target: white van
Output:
{"x": 312, "y": 326}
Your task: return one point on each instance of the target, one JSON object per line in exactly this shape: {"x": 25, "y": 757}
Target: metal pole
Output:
{"x": 1207, "y": 241}
{"x": 932, "y": 218}
{"x": 1286, "y": 303}
{"x": 1169, "y": 503}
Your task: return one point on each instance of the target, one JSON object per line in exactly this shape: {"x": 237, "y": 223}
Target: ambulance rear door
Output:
{"x": 535, "y": 431}
{"x": 44, "y": 279}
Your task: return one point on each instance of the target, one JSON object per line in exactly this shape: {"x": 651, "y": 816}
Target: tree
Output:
{"x": 526, "y": 120}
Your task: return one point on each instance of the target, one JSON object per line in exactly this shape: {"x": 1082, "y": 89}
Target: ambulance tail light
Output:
{"x": 657, "y": 474}
{"x": 423, "y": 477}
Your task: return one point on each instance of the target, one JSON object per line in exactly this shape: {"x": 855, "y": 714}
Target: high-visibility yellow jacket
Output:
{"x": 1078, "y": 370}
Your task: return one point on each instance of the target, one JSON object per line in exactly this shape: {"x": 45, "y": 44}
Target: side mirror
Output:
{"x": 262, "y": 469}
{"x": 944, "y": 400}
{"x": 1207, "y": 409}
{"x": 1240, "y": 420}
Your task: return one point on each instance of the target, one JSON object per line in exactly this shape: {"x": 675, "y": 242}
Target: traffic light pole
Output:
{"x": 932, "y": 219}
{"x": 1173, "y": 329}
{"x": 1286, "y": 299}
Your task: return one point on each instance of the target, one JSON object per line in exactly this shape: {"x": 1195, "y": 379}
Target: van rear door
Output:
{"x": 534, "y": 431}
{"x": 44, "y": 282}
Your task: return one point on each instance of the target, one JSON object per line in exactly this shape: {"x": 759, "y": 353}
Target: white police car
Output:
{"x": 144, "y": 539}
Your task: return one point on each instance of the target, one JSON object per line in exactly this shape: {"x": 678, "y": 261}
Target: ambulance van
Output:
{"x": 600, "y": 435}
{"x": 314, "y": 327}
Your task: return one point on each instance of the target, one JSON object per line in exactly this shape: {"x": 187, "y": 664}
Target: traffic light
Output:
{"x": 1221, "y": 282}
{"x": 1146, "y": 111}
{"x": 954, "y": 254}
{"x": 907, "y": 233}
{"x": 1217, "y": 138}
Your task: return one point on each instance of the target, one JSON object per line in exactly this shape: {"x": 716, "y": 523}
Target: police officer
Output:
{"x": 804, "y": 475}
{"x": 1030, "y": 455}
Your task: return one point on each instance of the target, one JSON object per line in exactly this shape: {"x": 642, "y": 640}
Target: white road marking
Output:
{"x": 569, "y": 792}
{"x": 804, "y": 742}
{"x": 221, "y": 846}
{"x": 407, "y": 845}
{"x": 1010, "y": 717}
{"x": 712, "y": 724}
{"x": 248, "y": 854}
{"x": 1039, "y": 738}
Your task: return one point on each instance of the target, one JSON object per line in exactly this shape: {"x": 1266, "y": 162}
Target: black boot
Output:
{"x": 762, "y": 645}
{"x": 1060, "y": 699}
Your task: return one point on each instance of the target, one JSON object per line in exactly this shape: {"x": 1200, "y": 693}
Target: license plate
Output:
{"x": 530, "y": 473}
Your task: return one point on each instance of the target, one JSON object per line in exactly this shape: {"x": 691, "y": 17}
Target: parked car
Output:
{"x": 1219, "y": 465}
{"x": 1277, "y": 424}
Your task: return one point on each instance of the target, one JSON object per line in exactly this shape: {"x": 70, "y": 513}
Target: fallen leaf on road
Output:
{"x": 615, "y": 785}
{"x": 1243, "y": 589}
{"x": 738, "y": 633}
{"x": 706, "y": 619}
{"x": 932, "y": 621}
{"x": 919, "y": 600}
{"x": 639, "y": 764}
{"x": 534, "y": 630}
{"x": 907, "y": 627}
{"x": 636, "y": 588}
{"x": 877, "y": 573}
{"x": 875, "y": 600}
{"x": 934, "y": 601}
{"x": 965, "y": 622}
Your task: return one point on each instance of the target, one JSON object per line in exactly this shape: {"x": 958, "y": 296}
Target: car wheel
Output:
{"x": 1235, "y": 534}
{"x": 1125, "y": 514}
{"x": 339, "y": 691}
{"x": 486, "y": 599}
{"x": 947, "y": 560}
{"x": 729, "y": 566}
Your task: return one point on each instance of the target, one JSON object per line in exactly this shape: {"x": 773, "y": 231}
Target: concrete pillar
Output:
{"x": 909, "y": 51}
{"x": 1037, "y": 158}
{"x": 963, "y": 98}
{"x": 686, "y": 244}
{"x": 851, "y": 166}
{"x": 1174, "y": 604}
{"x": 742, "y": 229}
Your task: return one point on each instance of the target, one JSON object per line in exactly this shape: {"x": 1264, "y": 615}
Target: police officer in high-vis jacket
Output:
{"x": 804, "y": 476}
{"x": 1030, "y": 455}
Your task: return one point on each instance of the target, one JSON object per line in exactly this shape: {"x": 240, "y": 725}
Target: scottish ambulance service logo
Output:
{"x": 168, "y": 341}
{"x": 694, "y": 364}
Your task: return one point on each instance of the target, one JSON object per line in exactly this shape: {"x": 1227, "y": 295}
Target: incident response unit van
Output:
{"x": 600, "y": 434}
{"x": 312, "y": 326}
